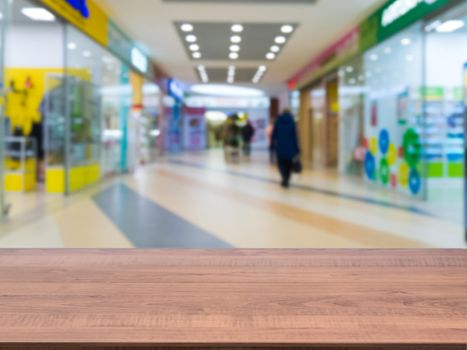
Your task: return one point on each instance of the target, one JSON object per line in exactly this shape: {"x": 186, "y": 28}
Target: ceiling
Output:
{"x": 156, "y": 25}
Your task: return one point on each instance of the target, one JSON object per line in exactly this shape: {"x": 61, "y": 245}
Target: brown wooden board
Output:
{"x": 233, "y": 299}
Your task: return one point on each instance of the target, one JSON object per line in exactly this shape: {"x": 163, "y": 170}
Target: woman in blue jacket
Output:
{"x": 285, "y": 142}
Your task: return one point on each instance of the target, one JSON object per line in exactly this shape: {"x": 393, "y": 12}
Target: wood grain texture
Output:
{"x": 319, "y": 299}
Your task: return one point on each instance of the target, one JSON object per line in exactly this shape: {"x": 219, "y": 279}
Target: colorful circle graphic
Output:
{"x": 404, "y": 173}
{"x": 374, "y": 146}
{"x": 415, "y": 182}
{"x": 384, "y": 171}
{"x": 412, "y": 147}
{"x": 370, "y": 166}
{"x": 393, "y": 154}
{"x": 384, "y": 141}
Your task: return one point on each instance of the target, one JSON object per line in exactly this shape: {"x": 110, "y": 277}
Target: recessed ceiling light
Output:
{"x": 387, "y": 50}
{"x": 72, "y": 46}
{"x": 194, "y": 47}
{"x": 187, "y": 27}
{"x": 349, "y": 69}
{"x": 409, "y": 58}
{"x": 234, "y": 48}
{"x": 450, "y": 26}
{"x": 38, "y": 14}
{"x": 197, "y": 55}
{"x": 233, "y": 55}
{"x": 87, "y": 53}
{"x": 374, "y": 57}
{"x": 287, "y": 29}
{"x": 406, "y": 41}
{"x": 270, "y": 56}
{"x": 237, "y": 28}
{"x": 262, "y": 68}
{"x": 280, "y": 39}
{"x": 191, "y": 38}
{"x": 275, "y": 48}
{"x": 236, "y": 39}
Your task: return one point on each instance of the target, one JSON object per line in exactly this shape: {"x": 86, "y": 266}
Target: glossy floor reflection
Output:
{"x": 198, "y": 201}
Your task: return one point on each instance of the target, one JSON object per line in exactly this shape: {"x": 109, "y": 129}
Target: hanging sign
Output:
{"x": 394, "y": 17}
{"x": 86, "y": 15}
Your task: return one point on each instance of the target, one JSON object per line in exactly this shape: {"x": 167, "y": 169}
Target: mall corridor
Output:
{"x": 233, "y": 175}
{"x": 196, "y": 200}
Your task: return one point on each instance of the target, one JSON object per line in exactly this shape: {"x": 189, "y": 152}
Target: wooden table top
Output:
{"x": 234, "y": 297}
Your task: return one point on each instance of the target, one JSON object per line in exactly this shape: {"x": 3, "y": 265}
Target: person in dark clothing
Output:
{"x": 248, "y": 132}
{"x": 285, "y": 142}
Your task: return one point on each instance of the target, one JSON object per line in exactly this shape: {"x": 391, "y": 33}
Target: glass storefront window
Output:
{"x": 351, "y": 125}
{"x": 445, "y": 60}
{"x": 318, "y": 115}
{"x": 394, "y": 133}
{"x": 3, "y": 204}
{"x": 99, "y": 102}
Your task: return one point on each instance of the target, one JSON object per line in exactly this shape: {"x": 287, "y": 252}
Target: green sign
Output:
{"x": 393, "y": 17}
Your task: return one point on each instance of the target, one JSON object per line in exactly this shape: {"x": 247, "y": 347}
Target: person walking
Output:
{"x": 272, "y": 152}
{"x": 285, "y": 142}
{"x": 248, "y": 132}
{"x": 231, "y": 138}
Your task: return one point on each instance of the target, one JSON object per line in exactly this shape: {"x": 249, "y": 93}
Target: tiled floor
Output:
{"x": 198, "y": 201}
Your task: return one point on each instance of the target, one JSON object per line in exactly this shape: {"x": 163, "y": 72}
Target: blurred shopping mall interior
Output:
{"x": 156, "y": 123}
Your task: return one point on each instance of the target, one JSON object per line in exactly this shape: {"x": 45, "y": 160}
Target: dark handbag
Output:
{"x": 297, "y": 165}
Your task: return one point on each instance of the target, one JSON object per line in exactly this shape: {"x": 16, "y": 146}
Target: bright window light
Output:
{"x": 237, "y": 28}
{"x": 450, "y": 26}
{"x": 280, "y": 39}
{"x": 38, "y": 14}
{"x": 236, "y": 39}
{"x": 286, "y": 29}
{"x": 226, "y": 90}
{"x": 187, "y": 27}
{"x": 191, "y": 38}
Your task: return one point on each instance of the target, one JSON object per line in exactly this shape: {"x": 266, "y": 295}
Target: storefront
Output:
{"x": 400, "y": 99}
{"x": 69, "y": 96}
{"x": 413, "y": 66}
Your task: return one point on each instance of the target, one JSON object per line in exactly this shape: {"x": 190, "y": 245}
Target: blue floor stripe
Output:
{"x": 148, "y": 225}
{"x": 361, "y": 199}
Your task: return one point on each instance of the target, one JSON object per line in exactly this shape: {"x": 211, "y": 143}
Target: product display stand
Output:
{"x": 233, "y": 299}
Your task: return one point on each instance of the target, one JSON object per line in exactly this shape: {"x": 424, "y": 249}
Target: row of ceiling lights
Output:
{"x": 234, "y": 49}
{"x": 191, "y": 39}
{"x": 235, "y": 41}
{"x": 279, "y": 40}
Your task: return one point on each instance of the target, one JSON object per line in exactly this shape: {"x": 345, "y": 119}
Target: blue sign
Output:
{"x": 175, "y": 89}
{"x": 81, "y": 6}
